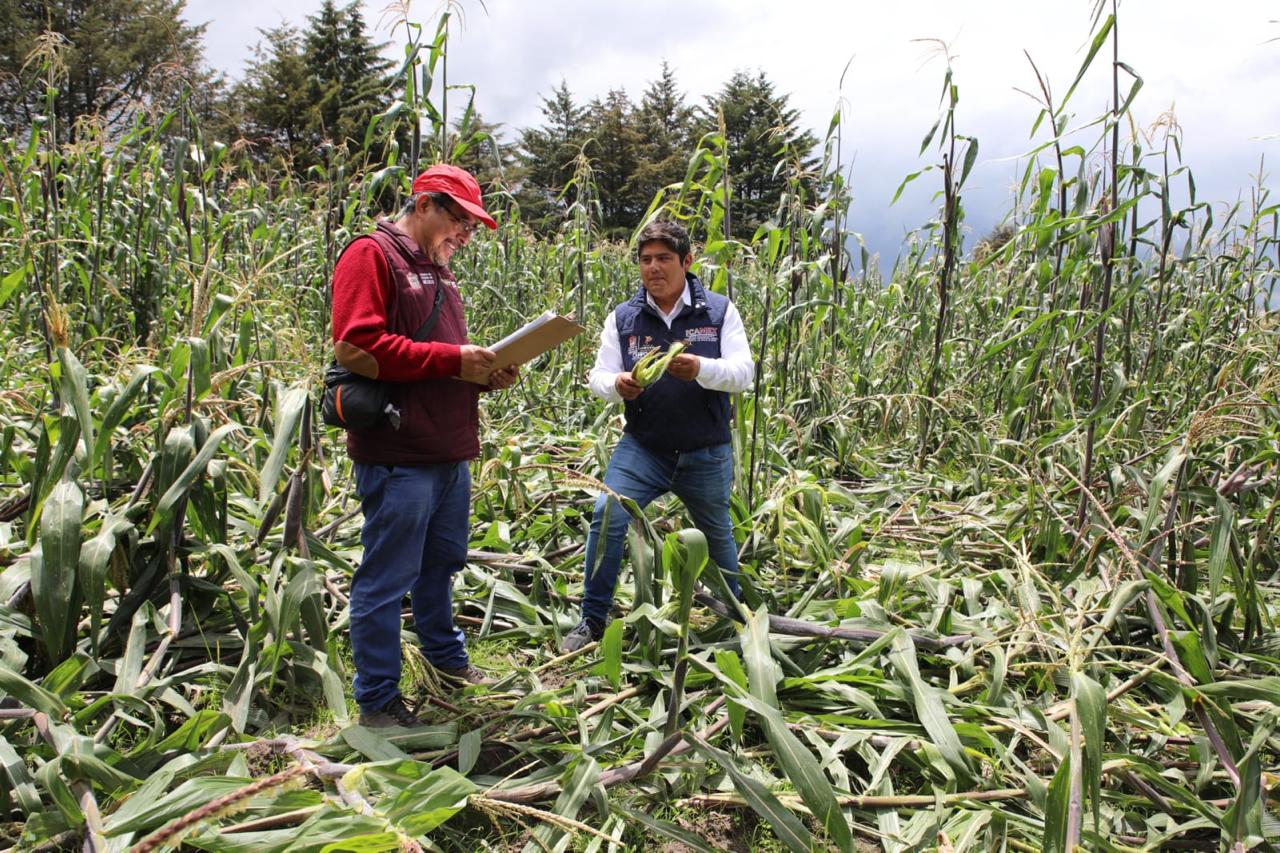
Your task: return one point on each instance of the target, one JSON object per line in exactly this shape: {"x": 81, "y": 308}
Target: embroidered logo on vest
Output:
{"x": 702, "y": 334}
{"x": 636, "y": 349}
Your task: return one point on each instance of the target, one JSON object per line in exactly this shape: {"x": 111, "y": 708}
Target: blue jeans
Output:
{"x": 701, "y": 478}
{"x": 415, "y": 534}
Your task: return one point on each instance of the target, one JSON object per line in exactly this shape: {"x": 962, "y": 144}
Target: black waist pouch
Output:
{"x": 352, "y": 401}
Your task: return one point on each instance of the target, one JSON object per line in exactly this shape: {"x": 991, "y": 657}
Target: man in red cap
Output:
{"x": 412, "y": 475}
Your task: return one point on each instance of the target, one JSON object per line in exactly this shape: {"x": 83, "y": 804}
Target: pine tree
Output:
{"x": 348, "y": 79}
{"x": 614, "y": 146}
{"x": 118, "y": 56}
{"x": 546, "y": 158}
{"x": 305, "y": 91}
{"x": 275, "y": 100}
{"x": 668, "y": 129}
{"x": 761, "y": 128}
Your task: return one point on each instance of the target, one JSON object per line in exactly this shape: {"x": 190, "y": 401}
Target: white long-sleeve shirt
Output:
{"x": 731, "y": 372}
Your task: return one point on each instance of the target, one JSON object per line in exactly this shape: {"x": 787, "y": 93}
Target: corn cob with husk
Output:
{"x": 653, "y": 364}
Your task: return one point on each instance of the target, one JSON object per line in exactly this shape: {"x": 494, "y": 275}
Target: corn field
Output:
{"x": 1007, "y": 515}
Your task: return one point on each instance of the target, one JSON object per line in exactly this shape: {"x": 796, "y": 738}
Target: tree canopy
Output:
{"x": 309, "y": 93}
{"x": 307, "y": 88}
{"x": 635, "y": 151}
{"x": 106, "y": 59}
{"x": 761, "y": 128}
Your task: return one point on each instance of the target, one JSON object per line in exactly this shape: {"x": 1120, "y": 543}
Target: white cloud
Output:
{"x": 1211, "y": 62}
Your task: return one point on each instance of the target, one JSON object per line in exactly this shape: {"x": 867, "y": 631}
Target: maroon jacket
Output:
{"x": 383, "y": 290}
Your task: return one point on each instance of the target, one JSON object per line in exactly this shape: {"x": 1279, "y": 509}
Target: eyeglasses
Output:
{"x": 467, "y": 225}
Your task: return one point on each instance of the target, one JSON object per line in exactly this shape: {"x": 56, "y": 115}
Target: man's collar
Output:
{"x": 685, "y": 299}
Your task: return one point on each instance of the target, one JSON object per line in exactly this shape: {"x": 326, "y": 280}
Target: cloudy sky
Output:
{"x": 1215, "y": 66}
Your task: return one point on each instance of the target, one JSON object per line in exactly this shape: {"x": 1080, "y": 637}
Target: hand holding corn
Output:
{"x": 685, "y": 367}
{"x": 650, "y": 368}
{"x": 654, "y": 363}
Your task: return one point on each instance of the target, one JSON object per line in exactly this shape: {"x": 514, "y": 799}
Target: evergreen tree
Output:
{"x": 305, "y": 90}
{"x": 614, "y": 146}
{"x": 347, "y": 77}
{"x": 668, "y": 129}
{"x": 761, "y": 128}
{"x": 116, "y": 57}
{"x": 546, "y": 158}
{"x": 277, "y": 113}
{"x": 476, "y": 145}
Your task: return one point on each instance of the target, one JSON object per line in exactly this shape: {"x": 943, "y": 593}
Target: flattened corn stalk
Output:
{"x": 800, "y": 628}
{"x": 669, "y": 748}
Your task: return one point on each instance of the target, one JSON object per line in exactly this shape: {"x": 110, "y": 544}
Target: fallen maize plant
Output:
{"x": 1007, "y": 514}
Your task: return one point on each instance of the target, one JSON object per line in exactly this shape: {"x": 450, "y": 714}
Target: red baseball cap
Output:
{"x": 458, "y": 185}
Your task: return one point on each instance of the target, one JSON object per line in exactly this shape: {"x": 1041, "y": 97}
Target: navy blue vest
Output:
{"x": 671, "y": 414}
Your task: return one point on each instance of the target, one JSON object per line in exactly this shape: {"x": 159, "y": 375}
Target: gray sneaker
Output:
{"x": 394, "y": 713}
{"x": 469, "y": 674}
{"x": 586, "y": 631}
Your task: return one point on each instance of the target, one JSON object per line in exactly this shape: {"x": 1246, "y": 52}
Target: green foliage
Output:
{"x": 308, "y": 90}
{"x": 761, "y": 130}
{"x": 938, "y": 649}
{"x": 108, "y": 61}
{"x": 546, "y": 157}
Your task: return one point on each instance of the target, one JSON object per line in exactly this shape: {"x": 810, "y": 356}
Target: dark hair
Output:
{"x": 409, "y": 206}
{"x": 668, "y": 233}
{"x": 442, "y": 200}
{"x": 438, "y": 199}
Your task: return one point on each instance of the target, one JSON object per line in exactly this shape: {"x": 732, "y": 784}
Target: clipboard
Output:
{"x": 534, "y": 338}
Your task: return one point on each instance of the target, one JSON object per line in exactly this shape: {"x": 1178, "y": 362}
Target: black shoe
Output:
{"x": 394, "y": 713}
{"x": 587, "y": 631}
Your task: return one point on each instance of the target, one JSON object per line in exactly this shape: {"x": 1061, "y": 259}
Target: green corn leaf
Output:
{"x": 1264, "y": 689}
{"x": 69, "y": 676}
{"x": 785, "y": 824}
{"x": 129, "y": 665}
{"x": 50, "y": 471}
{"x": 1091, "y": 706}
{"x": 184, "y": 481}
{"x": 54, "y": 577}
{"x": 22, "y": 787}
{"x": 469, "y": 744}
{"x": 1220, "y": 546}
{"x": 1057, "y": 809}
{"x": 1099, "y": 39}
{"x": 30, "y": 694}
{"x": 929, "y": 707}
{"x": 610, "y": 665}
{"x": 731, "y": 666}
{"x": 762, "y": 670}
{"x": 10, "y": 282}
{"x": 371, "y": 842}
{"x": 372, "y": 745}
{"x": 430, "y": 801}
{"x": 194, "y": 733}
{"x": 578, "y": 782}
{"x": 74, "y": 383}
{"x": 288, "y": 415}
{"x": 802, "y": 769}
{"x": 95, "y": 560}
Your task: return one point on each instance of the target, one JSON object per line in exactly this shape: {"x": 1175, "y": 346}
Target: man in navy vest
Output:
{"x": 677, "y": 436}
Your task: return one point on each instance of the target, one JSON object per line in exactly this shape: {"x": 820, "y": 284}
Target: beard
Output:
{"x": 441, "y": 253}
